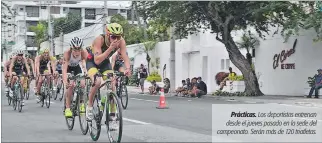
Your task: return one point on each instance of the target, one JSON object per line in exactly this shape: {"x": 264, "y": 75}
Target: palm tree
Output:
{"x": 41, "y": 33}
{"x": 248, "y": 42}
{"x": 148, "y": 46}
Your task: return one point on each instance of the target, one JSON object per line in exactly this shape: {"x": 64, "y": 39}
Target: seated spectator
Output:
{"x": 193, "y": 87}
{"x": 231, "y": 75}
{"x": 182, "y": 89}
{"x": 201, "y": 88}
{"x": 166, "y": 86}
{"x": 154, "y": 89}
{"x": 317, "y": 86}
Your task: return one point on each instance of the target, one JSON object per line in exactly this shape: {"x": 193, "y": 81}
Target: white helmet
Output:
{"x": 19, "y": 52}
{"x": 76, "y": 42}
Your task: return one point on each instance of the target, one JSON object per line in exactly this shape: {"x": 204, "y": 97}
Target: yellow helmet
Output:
{"x": 44, "y": 50}
{"x": 115, "y": 29}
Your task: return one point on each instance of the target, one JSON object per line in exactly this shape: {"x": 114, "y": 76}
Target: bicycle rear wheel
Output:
{"x": 81, "y": 115}
{"x": 114, "y": 133}
{"x": 14, "y": 100}
{"x": 97, "y": 118}
{"x": 124, "y": 97}
{"x": 62, "y": 92}
{"x": 47, "y": 96}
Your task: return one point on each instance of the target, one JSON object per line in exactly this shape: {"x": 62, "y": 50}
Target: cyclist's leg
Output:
{"x": 91, "y": 71}
{"x": 13, "y": 79}
{"x": 69, "y": 93}
{"x": 78, "y": 70}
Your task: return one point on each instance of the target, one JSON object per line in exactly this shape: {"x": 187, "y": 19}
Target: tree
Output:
{"x": 248, "y": 42}
{"x": 41, "y": 33}
{"x": 223, "y": 17}
{"x": 68, "y": 24}
{"x": 5, "y": 8}
{"x": 148, "y": 47}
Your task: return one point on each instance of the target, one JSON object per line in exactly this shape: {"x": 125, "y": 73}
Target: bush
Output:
{"x": 154, "y": 76}
{"x": 134, "y": 77}
{"x": 238, "y": 78}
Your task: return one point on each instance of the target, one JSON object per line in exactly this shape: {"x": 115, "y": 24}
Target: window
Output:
{"x": 65, "y": 10}
{"x": 112, "y": 12}
{"x": 222, "y": 64}
{"x": 43, "y": 7}
{"x": 88, "y": 24}
{"x": 123, "y": 10}
{"x": 227, "y": 63}
{"x": 31, "y": 41}
{"x": 31, "y": 23}
{"x": 32, "y": 11}
{"x": 129, "y": 14}
{"x": 55, "y": 10}
{"x": 9, "y": 24}
{"x": 76, "y": 11}
{"x": 71, "y": 2}
{"x": 21, "y": 9}
{"x": 90, "y": 14}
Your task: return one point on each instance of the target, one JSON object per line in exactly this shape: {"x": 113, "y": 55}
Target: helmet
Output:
{"x": 44, "y": 50}
{"x": 76, "y": 42}
{"x": 19, "y": 52}
{"x": 115, "y": 29}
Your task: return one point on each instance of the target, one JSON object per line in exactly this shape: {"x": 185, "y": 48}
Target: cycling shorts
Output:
{"x": 59, "y": 71}
{"x": 75, "y": 69}
{"x": 118, "y": 65}
{"x": 104, "y": 68}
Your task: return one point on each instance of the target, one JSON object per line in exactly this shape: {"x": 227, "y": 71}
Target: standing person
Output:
{"x": 143, "y": 75}
{"x": 317, "y": 86}
{"x": 98, "y": 61}
{"x": 72, "y": 59}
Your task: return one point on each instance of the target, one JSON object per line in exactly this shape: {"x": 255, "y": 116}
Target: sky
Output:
{"x": 113, "y": 3}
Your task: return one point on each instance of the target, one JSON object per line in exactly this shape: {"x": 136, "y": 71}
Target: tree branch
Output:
{"x": 226, "y": 26}
{"x": 217, "y": 38}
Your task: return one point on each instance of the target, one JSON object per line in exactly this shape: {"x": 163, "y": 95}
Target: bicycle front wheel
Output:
{"x": 97, "y": 119}
{"x": 114, "y": 118}
{"x": 20, "y": 92}
{"x": 47, "y": 97}
{"x": 124, "y": 96}
{"x": 70, "y": 121}
{"x": 81, "y": 107}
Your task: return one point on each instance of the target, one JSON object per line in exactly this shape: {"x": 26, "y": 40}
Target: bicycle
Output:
{"x": 7, "y": 92}
{"x": 120, "y": 87}
{"x": 26, "y": 89}
{"x": 17, "y": 94}
{"x": 46, "y": 91}
{"x": 104, "y": 105}
{"x": 78, "y": 92}
{"x": 60, "y": 88}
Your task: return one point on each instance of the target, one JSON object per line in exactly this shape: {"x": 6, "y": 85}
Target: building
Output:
{"x": 31, "y": 12}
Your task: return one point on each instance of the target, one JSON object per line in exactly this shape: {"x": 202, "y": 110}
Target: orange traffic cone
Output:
{"x": 162, "y": 104}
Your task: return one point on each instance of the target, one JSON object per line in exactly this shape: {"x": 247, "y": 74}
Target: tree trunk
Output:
{"x": 251, "y": 82}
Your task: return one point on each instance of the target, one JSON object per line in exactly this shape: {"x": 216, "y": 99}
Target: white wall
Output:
{"x": 307, "y": 59}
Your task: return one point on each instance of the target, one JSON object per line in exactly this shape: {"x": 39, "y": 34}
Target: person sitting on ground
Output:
{"x": 179, "y": 90}
{"x": 201, "y": 88}
{"x": 231, "y": 75}
{"x": 317, "y": 86}
{"x": 155, "y": 88}
{"x": 193, "y": 88}
{"x": 166, "y": 86}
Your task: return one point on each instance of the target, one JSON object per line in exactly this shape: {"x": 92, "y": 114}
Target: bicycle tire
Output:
{"x": 20, "y": 98}
{"x": 14, "y": 101}
{"x": 126, "y": 102}
{"x": 9, "y": 98}
{"x": 71, "y": 125}
{"x": 47, "y": 96}
{"x": 97, "y": 118}
{"x": 83, "y": 129}
{"x": 119, "y": 117}
{"x": 27, "y": 94}
{"x": 62, "y": 93}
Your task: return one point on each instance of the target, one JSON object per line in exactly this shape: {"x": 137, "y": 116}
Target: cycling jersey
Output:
{"x": 74, "y": 65}
{"x": 105, "y": 66}
{"x": 18, "y": 67}
{"x": 43, "y": 64}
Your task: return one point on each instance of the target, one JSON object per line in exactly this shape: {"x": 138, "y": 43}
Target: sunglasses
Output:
{"x": 20, "y": 54}
{"x": 114, "y": 37}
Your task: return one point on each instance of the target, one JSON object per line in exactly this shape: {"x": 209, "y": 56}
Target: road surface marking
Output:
{"x": 136, "y": 121}
{"x": 144, "y": 100}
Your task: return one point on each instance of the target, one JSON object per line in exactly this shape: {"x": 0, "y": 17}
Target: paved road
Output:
{"x": 187, "y": 120}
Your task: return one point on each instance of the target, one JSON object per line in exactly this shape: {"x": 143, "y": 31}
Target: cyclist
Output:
{"x": 32, "y": 70}
{"x": 16, "y": 68}
{"x": 98, "y": 61}
{"x": 52, "y": 64}
{"x": 72, "y": 58}
{"x": 42, "y": 67}
{"x": 59, "y": 66}
{"x": 6, "y": 71}
{"x": 118, "y": 63}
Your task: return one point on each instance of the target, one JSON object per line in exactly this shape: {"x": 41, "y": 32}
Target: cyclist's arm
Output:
{"x": 84, "y": 56}
{"x": 49, "y": 67}
{"x": 65, "y": 66}
{"x": 113, "y": 59}
{"x": 27, "y": 66}
{"x": 5, "y": 66}
{"x": 98, "y": 55}
{"x": 11, "y": 65}
{"x": 37, "y": 65}
{"x": 125, "y": 57}
{"x": 53, "y": 63}
{"x": 32, "y": 66}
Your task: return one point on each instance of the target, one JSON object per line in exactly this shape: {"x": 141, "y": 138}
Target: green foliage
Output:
{"x": 154, "y": 76}
{"x": 237, "y": 78}
{"x": 311, "y": 80}
{"x": 134, "y": 77}
{"x": 248, "y": 41}
{"x": 41, "y": 33}
{"x": 68, "y": 24}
